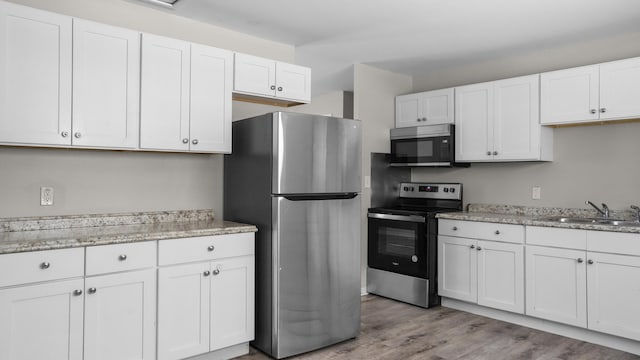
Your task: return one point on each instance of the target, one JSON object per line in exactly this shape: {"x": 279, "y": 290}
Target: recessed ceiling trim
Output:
{"x": 165, "y": 3}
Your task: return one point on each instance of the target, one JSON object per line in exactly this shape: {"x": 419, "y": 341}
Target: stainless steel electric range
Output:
{"x": 402, "y": 242}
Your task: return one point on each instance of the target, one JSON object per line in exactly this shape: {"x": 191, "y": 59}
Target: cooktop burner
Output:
{"x": 424, "y": 198}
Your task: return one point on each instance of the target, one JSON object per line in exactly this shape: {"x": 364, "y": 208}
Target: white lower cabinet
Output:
{"x": 207, "y": 305}
{"x": 120, "y": 314}
{"x": 489, "y": 273}
{"x": 42, "y": 321}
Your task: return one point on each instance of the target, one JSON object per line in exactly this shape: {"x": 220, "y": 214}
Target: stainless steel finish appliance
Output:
{"x": 402, "y": 242}
{"x": 429, "y": 145}
{"x": 297, "y": 177}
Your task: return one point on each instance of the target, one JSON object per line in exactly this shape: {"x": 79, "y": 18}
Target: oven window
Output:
{"x": 396, "y": 242}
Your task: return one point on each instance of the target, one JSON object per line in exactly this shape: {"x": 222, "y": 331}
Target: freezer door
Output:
{"x": 315, "y": 154}
{"x": 316, "y": 274}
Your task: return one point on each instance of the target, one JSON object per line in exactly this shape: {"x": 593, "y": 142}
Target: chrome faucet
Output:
{"x": 637, "y": 209}
{"x": 604, "y": 211}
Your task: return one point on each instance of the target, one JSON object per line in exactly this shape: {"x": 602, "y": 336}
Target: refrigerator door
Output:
{"x": 315, "y": 154}
{"x": 316, "y": 273}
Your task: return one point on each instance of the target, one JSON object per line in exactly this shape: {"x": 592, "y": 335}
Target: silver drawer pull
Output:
{"x": 479, "y": 248}
{"x": 455, "y": 228}
{"x": 45, "y": 265}
{"x": 92, "y": 290}
{"x": 580, "y": 261}
{"x": 590, "y": 262}
{"x": 472, "y": 246}
{"x": 122, "y": 257}
{"x": 497, "y": 232}
{"x": 210, "y": 247}
{"x": 206, "y": 273}
{"x": 216, "y": 271}
{"x": 77, "y": 292}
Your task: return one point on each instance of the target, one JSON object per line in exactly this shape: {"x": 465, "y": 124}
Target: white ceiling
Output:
{"x": 413, "y": 37}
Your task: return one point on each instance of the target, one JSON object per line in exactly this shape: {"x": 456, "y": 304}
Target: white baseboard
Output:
{"x": 573, "y": 332}
{"x": 363, "y": 291}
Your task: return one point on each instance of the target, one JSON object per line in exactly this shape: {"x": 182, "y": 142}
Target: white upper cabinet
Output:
{"x": 35, "y": 76}
{"x": 499, "y": 121}
{"x": 607, "y": 91}
{"x": 185, "y": 96}
{"x": 262, "y": 77}
{"x": 425, "y": 108}
{"x": 106, "y": 85}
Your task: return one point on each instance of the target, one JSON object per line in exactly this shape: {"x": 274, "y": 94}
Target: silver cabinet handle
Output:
{"x": 206, "y": 273}
{"x": 455, "y": 228}
{"x": 64, "y": 134}
{"x": 194, "y": 141}
{"x": 593, "y": 111}
{"x": 479, "y": 248}
{"x": 488, "y": 152}
{"x": 211, "y": 248}
{"x": 279, "y": 88}
{"x": 77, "y": 135}
{"x": 216, "y": 271}
{"x": 77, "y": 292}
{"x": 603, "y": 110}
{"x": 185, "y": 141}
{"x": 424, "y": 119}
{"x": 580, "y": 261}
{"x": 495, "y": 153}
{"x": 590, "y": 262}
{"x": 497, "y": 232}
{"x": 92, "y": 290}
{"x": 122, "y": 257}
{"x": 472, "y": 247}
{"x": 45, "y": 265}
{"x": 273, "y": 87}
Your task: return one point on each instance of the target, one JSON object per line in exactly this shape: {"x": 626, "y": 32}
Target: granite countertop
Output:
{"x": 46, "y": 233}
{"x": 533, "y": 216}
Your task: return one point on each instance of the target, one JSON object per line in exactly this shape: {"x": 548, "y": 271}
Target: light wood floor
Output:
{"x": 394, "y": 330}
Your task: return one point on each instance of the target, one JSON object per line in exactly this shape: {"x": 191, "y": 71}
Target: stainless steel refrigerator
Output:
{"x": 297, "y": 178}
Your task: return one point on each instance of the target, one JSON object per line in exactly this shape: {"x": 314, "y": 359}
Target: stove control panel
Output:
{"x": 431, "y": 191}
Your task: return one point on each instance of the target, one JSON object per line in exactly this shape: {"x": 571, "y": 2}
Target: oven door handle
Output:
{"x": 409, "y": 218}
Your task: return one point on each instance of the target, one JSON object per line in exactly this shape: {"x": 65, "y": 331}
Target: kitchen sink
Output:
{"x": 587, "y": 220}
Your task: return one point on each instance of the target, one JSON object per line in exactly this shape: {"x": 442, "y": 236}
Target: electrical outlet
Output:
{"x": 535, "y": 192}
{"x": 46, "y": 196}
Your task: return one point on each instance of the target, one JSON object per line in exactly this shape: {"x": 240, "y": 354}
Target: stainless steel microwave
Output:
{"x": 429, "y": 145}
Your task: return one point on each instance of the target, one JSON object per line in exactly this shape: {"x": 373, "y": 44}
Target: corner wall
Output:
{"x": 374, "y": 93}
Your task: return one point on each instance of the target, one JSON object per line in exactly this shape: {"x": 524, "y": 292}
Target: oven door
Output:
{"x": 398, "y": 243}
{"x": 433, "y": 150}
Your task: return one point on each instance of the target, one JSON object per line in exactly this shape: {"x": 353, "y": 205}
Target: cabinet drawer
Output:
{"x": 482, "y": 230}
{"x": 555, "y": 237}
{"x": 36, "y": 266}
{"x": 120, "y": 257}
{"x": 613, "y": 242}
{"x": 176, "y": 251}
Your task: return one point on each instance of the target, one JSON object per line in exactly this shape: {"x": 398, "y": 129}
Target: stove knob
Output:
{"x": 406, "y": 188}
{"x": 446, "y": 189}
{"x": 412, "y": 188}
{"x": 452, "y": 190}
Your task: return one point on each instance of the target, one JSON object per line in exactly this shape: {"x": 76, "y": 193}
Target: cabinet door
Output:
{"x": 183, "y": 311}
{"x": 501, "y": 276}
{"x": 437, "y": 107}
{"x": 42, "y": 321}
{"x": 457, "y": 268}
{"x": 120, "y": 314}
{"x": 35, "y": 76}
{"x": 164, "y": 106}
{"x": 211, "y": 87}
{"x": 293, "y": 82}
{"x": 408, "y": 110}
{"x": 254, "y": 75}
{"x": 232, "y": 302}
{"x": 614, "y": 294}
{"x": 516, "y": 123}
{"x": 556, "y": 285}
{"x": 473, "y": 119}
{"x": 106, "y": 85}
{"x": 620, "y": 89}
{"x": 570, "y": 95}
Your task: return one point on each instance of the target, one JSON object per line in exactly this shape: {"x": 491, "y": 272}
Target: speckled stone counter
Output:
{"x": 533, "y": 216}
{"x": 57, "y": 232}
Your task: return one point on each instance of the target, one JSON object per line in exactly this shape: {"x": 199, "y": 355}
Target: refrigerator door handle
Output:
{"x": 306, "y": 197}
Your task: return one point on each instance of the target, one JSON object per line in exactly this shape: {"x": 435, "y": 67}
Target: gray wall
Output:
{"x": 598, "y": 163}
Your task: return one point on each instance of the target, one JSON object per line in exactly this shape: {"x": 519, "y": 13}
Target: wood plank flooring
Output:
{"x": 394, "y": 330}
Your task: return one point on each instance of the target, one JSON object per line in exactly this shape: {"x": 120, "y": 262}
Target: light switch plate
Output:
{"x": 367, "y": 181}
